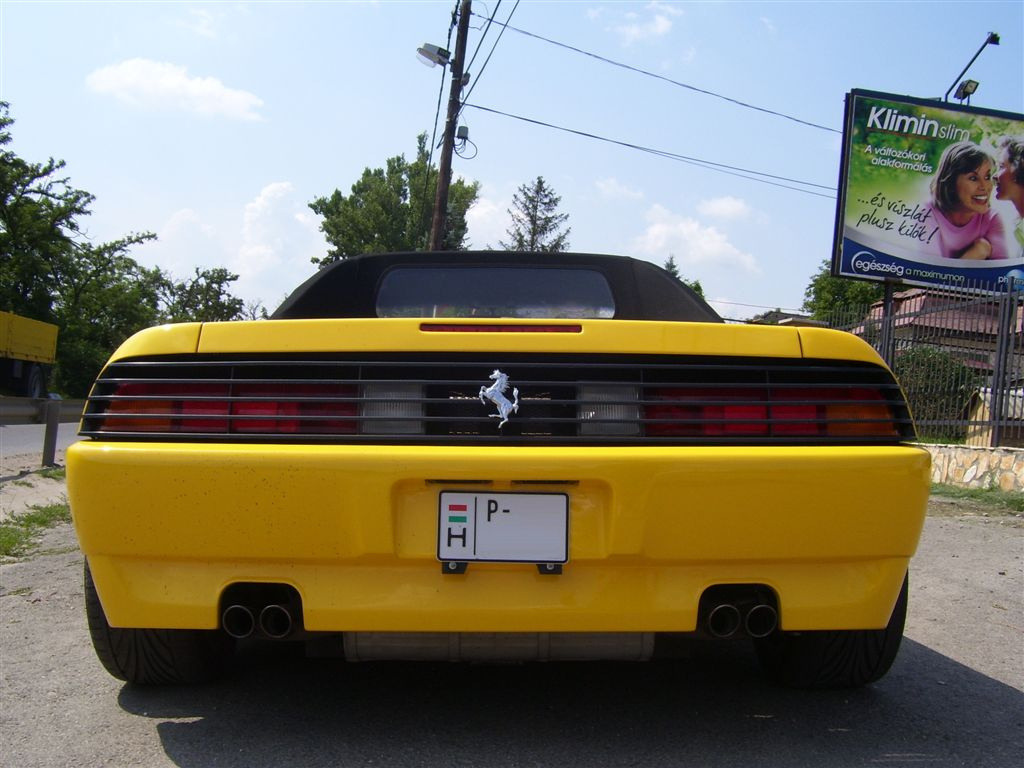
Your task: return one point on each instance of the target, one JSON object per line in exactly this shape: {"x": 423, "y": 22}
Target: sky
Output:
{"x": 214, "y": 125}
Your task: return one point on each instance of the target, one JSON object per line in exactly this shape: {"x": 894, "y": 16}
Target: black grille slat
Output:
{"x": 443, "y": 404}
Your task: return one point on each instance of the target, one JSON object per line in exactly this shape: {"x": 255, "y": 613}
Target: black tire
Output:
{"x": 154, "y": 656}
{"x": 834, "y": 659}
{"x": 34, "y": 383}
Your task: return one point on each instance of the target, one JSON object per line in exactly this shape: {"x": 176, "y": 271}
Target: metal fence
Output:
{"x": 959, "y": 354}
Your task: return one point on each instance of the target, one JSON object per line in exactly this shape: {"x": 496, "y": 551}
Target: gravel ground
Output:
{"x": 21, "y": 485}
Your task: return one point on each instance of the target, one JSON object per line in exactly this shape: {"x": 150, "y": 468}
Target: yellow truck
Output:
{"x": 27, "y": 350}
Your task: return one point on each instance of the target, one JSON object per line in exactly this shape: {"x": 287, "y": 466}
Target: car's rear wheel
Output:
{"x": 834, "y": 659}
{"x": 154, "y": 656}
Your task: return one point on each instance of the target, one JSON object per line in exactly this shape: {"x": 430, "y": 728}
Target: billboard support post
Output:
{"x": 1007, "y": 321}
{"x": 886, "y": 340}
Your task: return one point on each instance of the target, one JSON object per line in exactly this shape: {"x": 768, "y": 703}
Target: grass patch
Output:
{"x": 992, "y": 497}
{"x": 18, "y": 534}
{"x": 22, "y": 483}
{"x": 53, "y": 473}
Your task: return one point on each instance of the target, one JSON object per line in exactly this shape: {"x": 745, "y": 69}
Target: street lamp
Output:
{"x": 432, "y": 55}
{"x": 965, "y": 89}
{"x": 992, "y": 39}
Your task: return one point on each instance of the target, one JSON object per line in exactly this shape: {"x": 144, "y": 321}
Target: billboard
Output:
{"x": 928, "y": 193}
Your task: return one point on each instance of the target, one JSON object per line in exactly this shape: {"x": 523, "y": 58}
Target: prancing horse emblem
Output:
{"x": 496, "y": 394}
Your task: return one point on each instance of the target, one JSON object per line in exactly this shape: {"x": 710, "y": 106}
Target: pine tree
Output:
{"x": 673, "y": 269}
{"x": 536, "y": 223}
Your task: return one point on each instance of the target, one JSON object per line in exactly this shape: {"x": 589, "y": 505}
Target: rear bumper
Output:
{"x": 167, "y": 528}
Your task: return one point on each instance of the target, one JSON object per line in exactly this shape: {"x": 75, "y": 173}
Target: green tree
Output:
{"x": 38, "y": 222}
{"x": 536, "y": 223}
{"x": 672, "y": 268}
{"x": 389, "y": 209}
{"x": 938, "y": 385}
{"x": 828, "y": 298}
{"x": 96, "y": 294}
{"x": 203, "y": 298}
{"x": 102, "y": 297}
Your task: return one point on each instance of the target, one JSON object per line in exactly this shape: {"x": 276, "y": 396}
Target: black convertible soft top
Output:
{"x": 641, "y": 290}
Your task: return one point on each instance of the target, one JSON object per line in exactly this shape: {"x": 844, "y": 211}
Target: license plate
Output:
{"x": 503, "y": 527}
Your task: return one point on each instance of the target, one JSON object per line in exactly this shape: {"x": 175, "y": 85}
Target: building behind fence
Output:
{"x": 959, "y": 354}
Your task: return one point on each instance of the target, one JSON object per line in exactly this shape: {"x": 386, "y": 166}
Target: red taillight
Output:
{"x": 696, "y": 412}
{"x": 167, "y": 407}
{"x": 294, "y": 409}
{"x": 764, "y": 412}
{"x": 221, "y": 408}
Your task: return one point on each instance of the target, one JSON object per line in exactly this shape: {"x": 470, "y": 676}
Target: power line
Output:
{"x": 669, "y": 80}
{"x": 480, "y": 43}
{"x": 503, "y": 28}
{"x": 731, "y": 170}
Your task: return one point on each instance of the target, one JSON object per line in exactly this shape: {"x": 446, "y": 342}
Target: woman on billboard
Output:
{"x": 1010, "y": 182}
{"x": 968, "y": 228}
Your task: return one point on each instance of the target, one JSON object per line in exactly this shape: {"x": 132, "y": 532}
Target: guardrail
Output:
{"x": 24, "y": 410}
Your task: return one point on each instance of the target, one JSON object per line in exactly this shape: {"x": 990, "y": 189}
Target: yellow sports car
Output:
{"x": 496, "y": 456}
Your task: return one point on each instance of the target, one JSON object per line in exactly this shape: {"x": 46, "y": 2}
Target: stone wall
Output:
{"x": 978, "y": 467}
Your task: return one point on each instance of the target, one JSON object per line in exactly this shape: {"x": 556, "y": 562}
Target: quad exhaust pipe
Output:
{"x": 726, "y": 619}
{"x": 275, "y": 621}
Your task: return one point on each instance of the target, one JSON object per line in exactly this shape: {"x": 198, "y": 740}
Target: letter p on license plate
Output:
{"x": 503, "y": 527}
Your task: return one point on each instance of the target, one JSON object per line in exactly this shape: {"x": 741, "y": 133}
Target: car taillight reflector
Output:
{"x": 166, "y": 407}
{"x": 768, "y": 412}
{"x": 236, "y": 408}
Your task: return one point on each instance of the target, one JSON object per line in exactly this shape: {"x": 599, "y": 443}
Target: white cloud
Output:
{"x": 184, "y": 221}
{"x": 727, "y": 207}
{"x": 768, "y": 25}
{"x": 487, "y": 222}
{"x": 268, "y": 242}
{"x": 659, "y": 7}
{"x": 654, "y": 21}
{"x": 693, "y": 244}
{"x": 279, "y": 236}
{"x": 637, "y": 31}
{"x": 261, "y": 236}
{"x": 613, "y": 189}
{"x": 161, "y": 85}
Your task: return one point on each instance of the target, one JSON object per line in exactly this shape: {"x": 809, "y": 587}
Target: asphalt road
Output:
{"x": 20, "y": 439}
{"x": 953, "y": 698}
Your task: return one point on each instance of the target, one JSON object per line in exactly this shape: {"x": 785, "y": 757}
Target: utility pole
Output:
{"x": 444, "y": 171}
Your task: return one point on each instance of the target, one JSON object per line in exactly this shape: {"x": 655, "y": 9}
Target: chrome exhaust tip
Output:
{"x": 724, "y": 620}
{"x": 761, "y": 620}
{"x": 276, "y": 622}
{"x": 238, "y": 621}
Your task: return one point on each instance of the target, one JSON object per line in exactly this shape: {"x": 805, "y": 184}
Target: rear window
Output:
{"x": 482, "y": 291}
